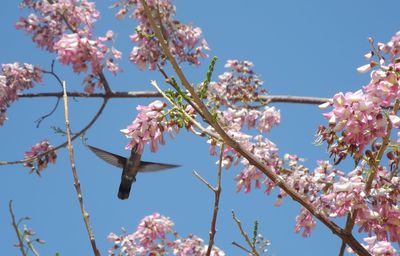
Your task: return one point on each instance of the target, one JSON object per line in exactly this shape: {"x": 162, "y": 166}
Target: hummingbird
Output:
{"x": 130, "y": 167}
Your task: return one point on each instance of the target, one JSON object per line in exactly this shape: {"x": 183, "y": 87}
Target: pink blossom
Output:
{"x": 378, "y": 248}
{"x": 45, "y": 154}
{"x": 65, "y": 27}
{"x": 15, "y": 78}
{"x": 393, "y": 46}
{"x": 46, "y": 24}
{"x": 383, "y": 87}
{"x": 266, "y": 151}
{"x": 358, "y": 117}
{"x": 269, "y": 117}
{"x": 76, "y": 50}
{"x": 185, "y": 42}
{"x": 148, "y": 127}
{"x": 367, "y": 67}
{"x": 155, "y": 236}
{"x": 305, "y": 221}
{"x": 193, "y": 245}
{"x": 238, "y": 87}
{"x": 153, "y": 227}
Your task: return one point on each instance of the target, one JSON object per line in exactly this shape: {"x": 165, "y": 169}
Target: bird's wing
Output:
{"x": 154, "y": 167}
{"x": 113, "y": 159}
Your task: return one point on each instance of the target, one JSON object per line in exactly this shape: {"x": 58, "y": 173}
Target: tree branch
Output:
{"x": 77, "y": 185}
{"x": 151, "y": 94}
{"x": 16, "y": 229}
{"x": 217, "y": 194}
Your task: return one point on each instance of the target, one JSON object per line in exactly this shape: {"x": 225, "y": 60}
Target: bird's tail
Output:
{"x": 124, "y": 188}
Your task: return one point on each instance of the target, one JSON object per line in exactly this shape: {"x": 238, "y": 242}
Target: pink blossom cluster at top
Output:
{"x": 184, "y": 41}
{"x": 14, "y": 78}
{"x": 65, "y": 27}
{"x": 51, "y": 19}
{"x": 155, "y": 236}
{"x": 39, "y": 164}
{"x": 79, "y": 50}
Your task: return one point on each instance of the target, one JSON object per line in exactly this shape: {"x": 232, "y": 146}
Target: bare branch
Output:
{"x": 29, "y": 242}
{"x": 132, "y": 94}
{"x": 77, "y": 185}
{"x": 82, "y": 131}
{"x": 217, "y": 194}
{"x": 203, "y": 180}
{"x": 263, "y": 99}
{"x": 16, "y": 229}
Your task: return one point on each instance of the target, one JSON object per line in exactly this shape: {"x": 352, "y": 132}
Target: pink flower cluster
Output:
{"x": 264, "y": 120}
{"x": 193, "y": 245}
{"x": 359, "y": 117}
{"x": 45, "y": 154}
{"x": 51, "y": 19}
{"x": 148, "y": 127}
{"x": 267, "y": 152}
{"x": 49, "y": 26}
{"x": 232, "y": 95}
{"x": 241, "y": 85}
{"x": 151, "y": 123}
{"x": 392, "y": 47}
{"x": 152, "y": 237}
{"x": 79, "y": 50}
{"x": 184, "y": 41}
{"x": 335, "y": 194}
{"x": 14, "y": 78}
{"x": 378, "y": 248}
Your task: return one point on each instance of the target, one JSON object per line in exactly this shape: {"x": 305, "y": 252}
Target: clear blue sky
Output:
{"x": 307, "y": 48}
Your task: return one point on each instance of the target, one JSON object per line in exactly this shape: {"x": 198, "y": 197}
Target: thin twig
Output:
{"x": 40, "y": 120}
{"x": 244, "y": 234}
{"x": 16, "y": 229}
{"x": 253, "y": 160}
{"x": 217, "y": 194}
{"x": 77, "y": 185}
{"x": 82, "y": 131}
{"x": 132, "y": 94}
{"x": 203, "y": 180}
{"x": 29, "y": 243}
{"x": 241, "y": 247}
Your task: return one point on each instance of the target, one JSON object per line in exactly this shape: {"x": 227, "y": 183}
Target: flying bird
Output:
{"x": 130, "y": 167}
